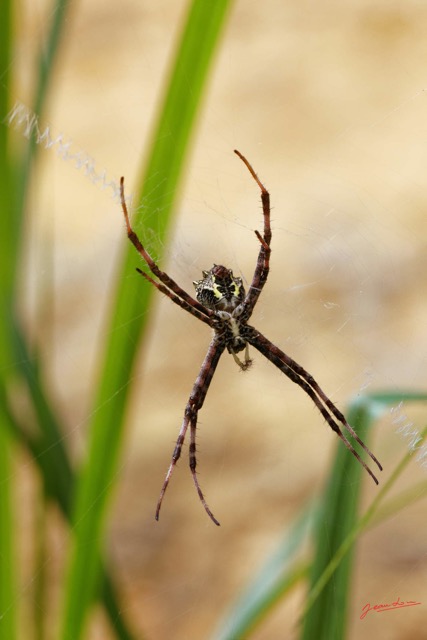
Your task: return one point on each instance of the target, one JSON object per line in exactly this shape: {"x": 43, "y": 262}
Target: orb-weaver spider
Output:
{"x": 222, "y": 303}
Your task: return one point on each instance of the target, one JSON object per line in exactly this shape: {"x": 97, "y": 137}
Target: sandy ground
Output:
{"x": 328, "y": 102}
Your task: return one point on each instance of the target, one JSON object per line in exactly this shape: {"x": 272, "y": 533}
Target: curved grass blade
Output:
{"x": 8, "y": 599}
{"x": 277, "y": 577}
{"x": 169, "y": 148}
{"x": 47, "y": 60}
{"x": 47, "y": 448}
{"x": 8, "y": 613}
{"x": 337, "y": 517}
{"x": 51, "y": 456}
{"x": 281, "y": 572}
{"x": 326, "y": 608}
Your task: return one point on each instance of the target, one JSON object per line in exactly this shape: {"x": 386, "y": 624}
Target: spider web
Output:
{"x": 344, "y": 299}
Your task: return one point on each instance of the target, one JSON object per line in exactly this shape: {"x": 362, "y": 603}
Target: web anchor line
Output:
{"x": 22, "y": 119}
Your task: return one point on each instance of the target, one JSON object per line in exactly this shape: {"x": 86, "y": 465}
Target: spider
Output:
{"x": 222, "y": 303}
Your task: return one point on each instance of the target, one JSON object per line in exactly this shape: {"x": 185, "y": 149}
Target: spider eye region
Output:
{"x": 219, "y": 289}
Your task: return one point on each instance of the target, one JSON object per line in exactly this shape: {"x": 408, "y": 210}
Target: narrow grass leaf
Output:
{"x": 8, "y": 599}
{"x": 8, "y": 570}
{"x": 48, "y": 58}
{"x": 280, "y": 573}
{"x": 49, "y": 453}
{"x": 326, "y": 608}
{"x": 169, "y": 148}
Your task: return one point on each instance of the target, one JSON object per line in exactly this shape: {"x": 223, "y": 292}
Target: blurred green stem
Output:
{"x": 166, "y": 161}
{"x": 8, "y": 235}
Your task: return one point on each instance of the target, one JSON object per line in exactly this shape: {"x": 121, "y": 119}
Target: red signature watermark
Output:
{"x": 397, "y": 604}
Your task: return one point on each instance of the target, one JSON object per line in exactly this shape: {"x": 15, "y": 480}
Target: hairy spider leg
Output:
{"x": 263, "y": 262}
{"x": 195, "y": 403}
{"x": 154, "y": 268}
{"x": 181, "y": 303}
{"x": 300, "y": 376}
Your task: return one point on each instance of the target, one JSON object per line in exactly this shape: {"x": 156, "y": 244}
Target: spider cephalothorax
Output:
{"x": 219, "y": 289}
{"x": 223, "y": 304}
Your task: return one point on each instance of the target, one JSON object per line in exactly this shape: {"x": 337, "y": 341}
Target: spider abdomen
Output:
{"x": 235, "y": 341}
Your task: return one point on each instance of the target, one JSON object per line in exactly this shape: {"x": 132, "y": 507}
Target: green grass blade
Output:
{"x": 337, "y": 517}
{"x": 12, "y": 200}
{"x": 50, "y": 455}
{"x": 279, "y": 574}
{"x": 404, "y": 499}
{"x": 48, "y": 448}
{"x": 8, "y": 570}
{"x": 7, "y": 548}
{"x": 49, "y": 54}
{"x": 325, "y": 612}
{"x": 352, "y": 536}
{"x": 167, "y": 156}
{"x": 44, "y": 74}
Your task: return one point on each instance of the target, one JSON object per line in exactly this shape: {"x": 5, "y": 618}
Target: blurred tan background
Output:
{"x": 328, "y": 102}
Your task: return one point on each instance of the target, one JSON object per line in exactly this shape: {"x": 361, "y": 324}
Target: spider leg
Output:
{"x": 244, "y": 366}
{"x": 263, "y": 262}
{"x": 181, "y": 303}
{"x": 193, "y": 463}
{"x": 152, "y": 265}
{"x": 301, "y": 377}
{"x": 194, "y": 404}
